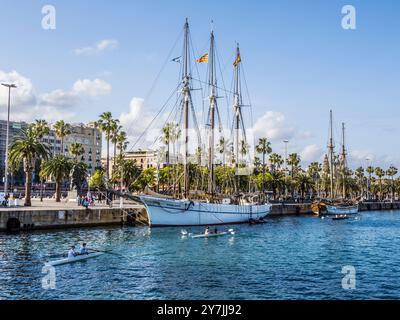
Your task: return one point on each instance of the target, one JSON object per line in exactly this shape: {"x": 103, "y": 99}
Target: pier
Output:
{"x": 51, "y": 215}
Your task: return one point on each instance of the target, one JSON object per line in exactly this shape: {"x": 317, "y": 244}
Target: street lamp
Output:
{"x": 9, "y": 86}
{"x": 286, "y": 155}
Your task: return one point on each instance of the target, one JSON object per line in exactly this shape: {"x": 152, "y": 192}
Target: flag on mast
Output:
{"x": 238, "y": 59}
{"x": 203, "y": 59}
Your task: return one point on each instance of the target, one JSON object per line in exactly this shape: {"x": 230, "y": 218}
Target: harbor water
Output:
{"x": 286, "y": 258}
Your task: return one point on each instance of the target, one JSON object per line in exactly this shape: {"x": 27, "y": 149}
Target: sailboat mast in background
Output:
{"x": 237, "y": 104}
{"x": 331, "y": 152}
{"x": 186, "y": 102}
{"x": 213, "y": 106}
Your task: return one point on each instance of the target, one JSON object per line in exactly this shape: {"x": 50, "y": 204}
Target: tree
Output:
{"x": 380, "y": 173}
{"x": 391, "y": 172}
{"x": 293, "y": 161}
{"x": 167, "y": 137}
{"x": 27, "y": 149}
{"x": 314, "y": 170}
{"x": 62, "y": 130}
{"x": 76, "y": 149}
{"x": 115, "y": 130}
{"x": 41, "y": 128}
{"x": 107, "y": 124}
{"x": 146, "y": 179}
{"x": 57, "y": 168}
{"x": 97, "y": 180}
{"x": 276, "y": 161}
{"x": 263, "y": 148}
{"x": 122, "y": 142}
{"x": 79, "y": 172}
{"x": 370, "y": 170}
{"x": 359, "y": 173}
{"x": 129, "y": 169}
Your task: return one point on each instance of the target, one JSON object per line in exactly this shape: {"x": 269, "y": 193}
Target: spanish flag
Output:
{"x": 238, "y": 60}
{"x": 203, "y": 59}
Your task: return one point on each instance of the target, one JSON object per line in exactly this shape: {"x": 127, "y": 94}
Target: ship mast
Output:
{"x": 344, "y": 154}
{"x": 186, "y": 102}
{"x": 331, "y": 150}
{"x": 237, "y": 103}
{"x": 213, "y": 106}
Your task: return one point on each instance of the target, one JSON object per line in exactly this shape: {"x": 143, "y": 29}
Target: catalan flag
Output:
{"x": 237, "y": 60}
{"x": 203, "y": 59}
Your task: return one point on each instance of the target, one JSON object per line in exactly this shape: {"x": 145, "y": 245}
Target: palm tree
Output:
{"x": 244, "y": 148}
{"x": 380, "y": 173}
{"x": 57, "y": 168}
{"x": 107, "y": 125}
{"x": 27, "y": 149}
{"x": 314, "y": 170}
{"x": 167, "y": 138}
{"x": 370, "y": 170}
{"x": 114, "y": 138}
{"x": 122, "y": 142}
{"x": 263, "y": 147}
{"x": 76, "y": 149}
{"x": 41, "y": 128}
{"x": 293, "y": 161}
{"x": 62, "y": 130}
{"x": 391, "y": 172}
{"x": 359, "y": 173}
{"x": 276, "y": 161}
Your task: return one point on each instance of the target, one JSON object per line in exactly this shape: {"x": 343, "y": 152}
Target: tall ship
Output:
{"x": 213, "y": 208}
{"x": 335, "y": 206}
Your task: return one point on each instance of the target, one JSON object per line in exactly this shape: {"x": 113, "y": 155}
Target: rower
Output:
{"x": 207, "y": 231}
{"x": 72, "y": 253}
{"x": 83, "y": 250}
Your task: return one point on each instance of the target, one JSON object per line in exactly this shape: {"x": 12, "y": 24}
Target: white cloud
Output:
{"x": 272, "y": 126}
{"x": 92, "y": 88}
{"x": 54, "y": 105}
{"x": 136, "y": 120}
{"x": 22, "y": 95}
{"x": 311, "y": 153}
{"x": 100, "y": 46}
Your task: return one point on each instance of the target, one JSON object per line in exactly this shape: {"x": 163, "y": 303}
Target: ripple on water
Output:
{"x": 286, "y": 258}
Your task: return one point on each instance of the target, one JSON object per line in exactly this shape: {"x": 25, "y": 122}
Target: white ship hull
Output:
{"x": 335, "y": 210}
{"x": 169, "y": 212}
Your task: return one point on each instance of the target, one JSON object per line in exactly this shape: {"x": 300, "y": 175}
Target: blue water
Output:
{"x": 286, "y": 258}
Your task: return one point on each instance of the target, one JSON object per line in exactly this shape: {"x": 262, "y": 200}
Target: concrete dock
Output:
{"x": 51, "y": 215}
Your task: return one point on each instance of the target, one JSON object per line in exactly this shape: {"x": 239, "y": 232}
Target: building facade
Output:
{"x": 14, "y": 132}
{"x": 87, "y": 135}
{"x": 144, "y": 159}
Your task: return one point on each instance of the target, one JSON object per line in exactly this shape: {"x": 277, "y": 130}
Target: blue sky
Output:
{"x": 299, "y": 63}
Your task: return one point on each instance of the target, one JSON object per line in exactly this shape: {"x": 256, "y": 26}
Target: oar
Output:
{"x": 60, "y": 255}
{"x": 110, "y": 252}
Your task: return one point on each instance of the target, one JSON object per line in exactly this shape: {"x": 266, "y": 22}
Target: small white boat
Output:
{"x": 75, "y": 259}
{"x": 342, "y": 210}
{"x": 209, "y": 235}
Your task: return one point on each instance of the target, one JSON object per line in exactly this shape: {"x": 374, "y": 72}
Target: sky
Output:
{"x": 299, "y": 63}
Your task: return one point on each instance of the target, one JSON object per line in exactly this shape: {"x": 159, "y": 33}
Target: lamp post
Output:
{"x": 9, "y": 86}
{"x": 286, "y": 155}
